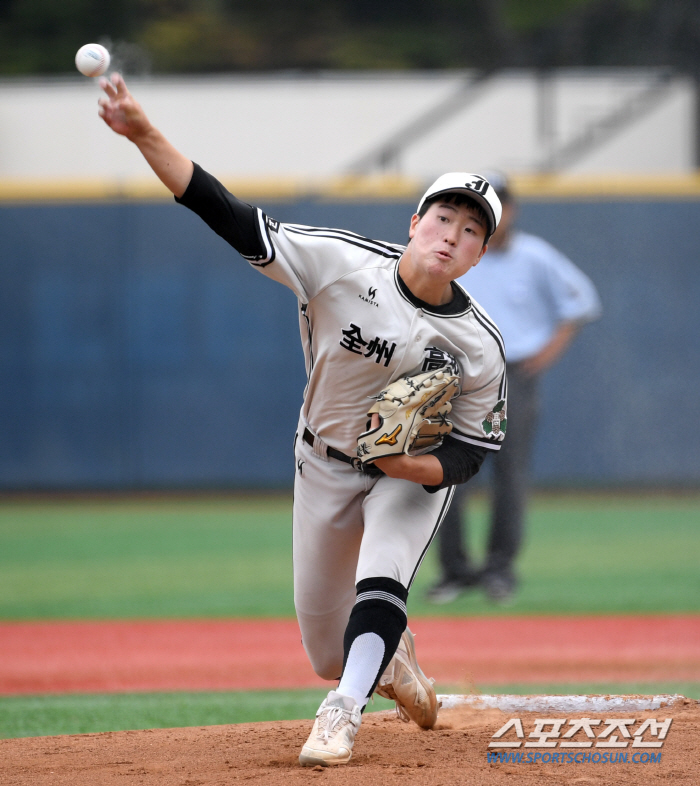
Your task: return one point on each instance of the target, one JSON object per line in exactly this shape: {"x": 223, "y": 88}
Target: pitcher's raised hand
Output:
{"x": 118, "y": 108}
{"x": 124, "y": 115}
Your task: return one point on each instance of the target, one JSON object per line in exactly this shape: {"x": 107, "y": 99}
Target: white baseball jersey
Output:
{"x": 361, "y": 330}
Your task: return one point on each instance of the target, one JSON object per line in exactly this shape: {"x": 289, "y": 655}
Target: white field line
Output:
{"x": 608, "y": 703}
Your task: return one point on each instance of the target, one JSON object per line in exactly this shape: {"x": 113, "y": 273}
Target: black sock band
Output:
{"x": 381, "y": 609}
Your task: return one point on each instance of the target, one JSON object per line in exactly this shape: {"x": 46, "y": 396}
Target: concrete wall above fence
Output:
{"x": 313, "y": 128}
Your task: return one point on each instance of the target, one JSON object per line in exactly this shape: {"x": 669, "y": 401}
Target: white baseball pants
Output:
{"x": 348, "y": 526}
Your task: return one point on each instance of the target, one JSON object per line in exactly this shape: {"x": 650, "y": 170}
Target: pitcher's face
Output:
{"x": 447, "y": 241}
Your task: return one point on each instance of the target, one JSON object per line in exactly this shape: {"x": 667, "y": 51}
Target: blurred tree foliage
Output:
{"x": 205, "y": 36}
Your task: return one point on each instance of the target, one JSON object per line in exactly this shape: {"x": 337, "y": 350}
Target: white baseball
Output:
{"x": 92, "y": 60}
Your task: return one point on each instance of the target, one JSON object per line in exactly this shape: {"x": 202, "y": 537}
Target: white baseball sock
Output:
{"x": 363, "y": 664}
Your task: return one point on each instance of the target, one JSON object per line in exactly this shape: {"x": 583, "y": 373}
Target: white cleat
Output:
{"x": 333, "y": 735}
{"x": 404, "y": 682}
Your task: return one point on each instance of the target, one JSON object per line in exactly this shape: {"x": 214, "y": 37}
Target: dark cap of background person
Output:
{"x": 500, "y": 185}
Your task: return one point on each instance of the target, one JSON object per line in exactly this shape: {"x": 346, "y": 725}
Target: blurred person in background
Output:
{"x": 539, "y": 299}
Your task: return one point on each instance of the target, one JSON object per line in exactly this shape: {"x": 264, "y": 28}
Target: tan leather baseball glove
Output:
{"x": 412, "y": 416}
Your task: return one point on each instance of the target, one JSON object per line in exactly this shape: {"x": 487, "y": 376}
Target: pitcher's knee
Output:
{"x": 327, "y": 665}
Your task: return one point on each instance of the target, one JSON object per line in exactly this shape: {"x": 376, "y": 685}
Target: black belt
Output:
{"x": 355, "y": 463}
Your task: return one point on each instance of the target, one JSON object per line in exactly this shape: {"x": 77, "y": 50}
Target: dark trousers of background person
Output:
{"x": 509, "y": 487}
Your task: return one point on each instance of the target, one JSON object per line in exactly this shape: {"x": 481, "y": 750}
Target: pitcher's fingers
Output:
{"x": 105, "y": 108}
{"x": 106, "y": 112}
{"x": 120, "y": 84}
{"x": 108, "y": 87}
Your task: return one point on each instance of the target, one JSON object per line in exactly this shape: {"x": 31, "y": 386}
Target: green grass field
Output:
{"x": 36, "y": 716}
{"x": 231, "y": 557}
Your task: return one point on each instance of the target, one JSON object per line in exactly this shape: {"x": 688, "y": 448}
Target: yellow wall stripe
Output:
{"x": 389, "y": 188}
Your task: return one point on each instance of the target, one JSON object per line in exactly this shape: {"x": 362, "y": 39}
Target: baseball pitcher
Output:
{"x": 406, "y": 379}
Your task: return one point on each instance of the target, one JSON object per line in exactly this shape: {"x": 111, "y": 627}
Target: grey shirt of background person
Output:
{"x": 539, "y": 299}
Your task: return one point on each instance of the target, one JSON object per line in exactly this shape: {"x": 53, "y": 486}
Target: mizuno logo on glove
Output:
{"x": 390, "y": 439}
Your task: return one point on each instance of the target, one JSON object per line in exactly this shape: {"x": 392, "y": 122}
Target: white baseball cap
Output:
{"x": 475, "y": 186}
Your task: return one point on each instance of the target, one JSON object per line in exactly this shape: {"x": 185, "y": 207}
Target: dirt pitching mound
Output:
{"x": 387, "y": 751}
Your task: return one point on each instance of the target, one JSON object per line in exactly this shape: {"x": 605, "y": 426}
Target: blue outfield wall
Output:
{"x": 137, "y": 350}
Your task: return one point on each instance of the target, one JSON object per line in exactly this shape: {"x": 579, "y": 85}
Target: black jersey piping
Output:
{"x": 344, "y": 233}
{"x": 266, "y": 241}
{"x": 348, "y": 233}
{"x": 481, "y": 441}
{"x": 495, "y": 333}
{"x": 365, "y": 246}
{"x": 492, "y": 329}
{"x": 303, "y": 308}
{"x": 425, "y": 307}
{"x": 441, "y": 516}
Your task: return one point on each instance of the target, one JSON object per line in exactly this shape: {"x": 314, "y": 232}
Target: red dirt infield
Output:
{"x": 197, "y": 655}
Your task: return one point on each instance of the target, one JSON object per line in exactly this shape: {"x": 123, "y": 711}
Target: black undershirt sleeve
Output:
{"x": 235, "y": 221}
{"x": 460, "y": 462}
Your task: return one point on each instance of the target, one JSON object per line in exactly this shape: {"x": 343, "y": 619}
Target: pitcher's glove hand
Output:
{"x": 412, "y": 416}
